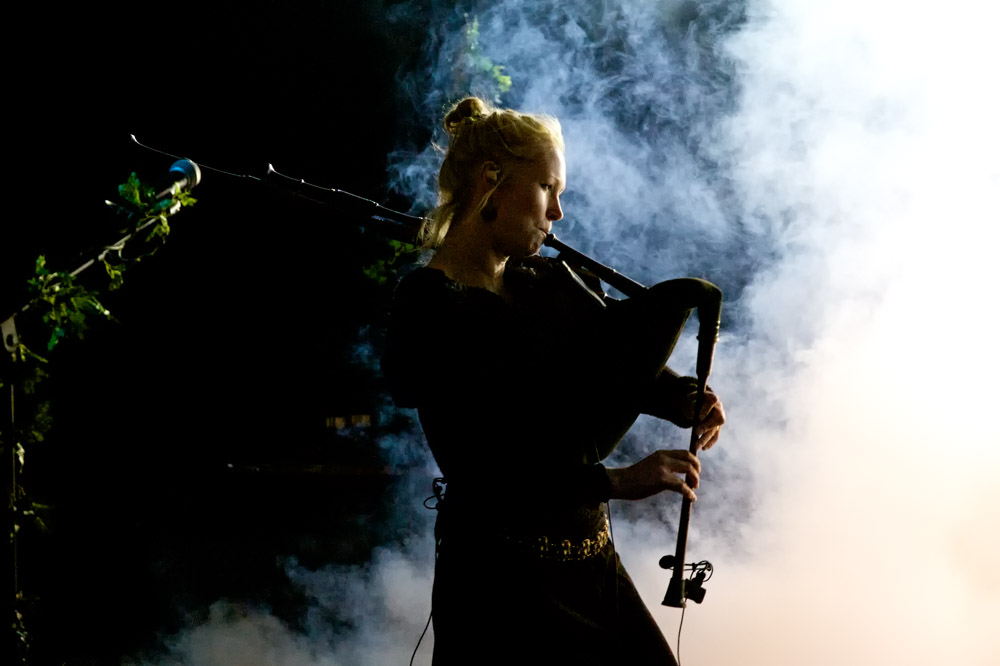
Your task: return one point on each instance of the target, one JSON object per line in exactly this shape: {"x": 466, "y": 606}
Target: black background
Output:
{"x": 189, "y": 450}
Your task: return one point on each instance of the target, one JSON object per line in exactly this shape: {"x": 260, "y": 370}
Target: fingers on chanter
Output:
{"x": 683, "y": 458}
{"x": 707, "y": 438}
{"x": 712, "y": 412}
{"x": 677, "y": 462}
{"x": 693, "y": 477}
{"x": 684, "y": 462}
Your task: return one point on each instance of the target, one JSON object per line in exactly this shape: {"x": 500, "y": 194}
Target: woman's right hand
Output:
{"x": 659, "y": 471}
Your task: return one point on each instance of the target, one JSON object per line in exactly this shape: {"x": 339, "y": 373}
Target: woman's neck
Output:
{"x": 468, "y": 259}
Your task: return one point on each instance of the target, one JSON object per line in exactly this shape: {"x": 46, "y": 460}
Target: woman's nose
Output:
{"x": 555, "y": 210}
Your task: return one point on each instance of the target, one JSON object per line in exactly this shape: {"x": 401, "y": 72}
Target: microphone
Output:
{"x": 183, "y": 175}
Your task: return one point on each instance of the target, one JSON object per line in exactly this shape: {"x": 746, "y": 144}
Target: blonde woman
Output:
{"x": 524, "y": 381}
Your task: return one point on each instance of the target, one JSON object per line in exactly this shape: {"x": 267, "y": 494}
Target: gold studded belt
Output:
{"x": 562, "y": 550}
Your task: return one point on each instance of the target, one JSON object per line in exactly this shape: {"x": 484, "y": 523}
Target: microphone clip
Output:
{"x": 680, "y": 589}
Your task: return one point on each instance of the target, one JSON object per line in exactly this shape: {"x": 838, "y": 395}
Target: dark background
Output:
{"x": 190, "y": 450}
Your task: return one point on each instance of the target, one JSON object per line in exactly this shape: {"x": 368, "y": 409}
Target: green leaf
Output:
{"x": 131, "y": 190}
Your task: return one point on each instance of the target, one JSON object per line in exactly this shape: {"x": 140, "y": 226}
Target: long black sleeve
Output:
{"x": 519, "y": 400}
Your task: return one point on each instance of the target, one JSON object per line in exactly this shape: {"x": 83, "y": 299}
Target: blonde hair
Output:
{"x": 480, "y": 133}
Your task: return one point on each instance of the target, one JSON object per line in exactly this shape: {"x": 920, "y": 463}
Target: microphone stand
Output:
{"x": 183, "y": 175}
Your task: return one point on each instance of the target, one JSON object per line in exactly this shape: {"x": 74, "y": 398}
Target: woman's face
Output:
{"x": 527, "y": 204}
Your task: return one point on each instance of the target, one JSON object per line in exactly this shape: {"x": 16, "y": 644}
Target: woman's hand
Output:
{"x": 655, "y": 473}
{"x": 673, "y": 398}
{"x": 710, "y": 419}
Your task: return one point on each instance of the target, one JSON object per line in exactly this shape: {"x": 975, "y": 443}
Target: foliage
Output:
{"x": 143, "y": 198}
{"x": 382, "y": 270}
{"x": 66, "y": 304}
{"x": 61, "y": 308}
{"x": 479, "y": 65}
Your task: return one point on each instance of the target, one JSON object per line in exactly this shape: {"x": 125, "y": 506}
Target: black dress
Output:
{"x": 519, "y": 402}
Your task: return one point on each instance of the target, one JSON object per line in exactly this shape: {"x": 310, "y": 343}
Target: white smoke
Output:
{"x": 866, "y": 135}
{"x": 368, "y": 614}
{"x": 834, "y": 167}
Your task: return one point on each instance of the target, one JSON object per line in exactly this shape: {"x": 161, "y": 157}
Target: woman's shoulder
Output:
{"x": 425, "y": 284}
{"x": 424, "y": 277}
{"x": 430, "y": 284}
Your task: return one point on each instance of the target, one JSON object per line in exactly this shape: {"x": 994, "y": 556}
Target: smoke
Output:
{"x": 369, "y": 614}
{"x": 833, "y": 168}
{"x": 864, "y": 145}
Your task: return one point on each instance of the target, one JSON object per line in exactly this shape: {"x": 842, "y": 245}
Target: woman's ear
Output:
{"x": 491, "y": 173}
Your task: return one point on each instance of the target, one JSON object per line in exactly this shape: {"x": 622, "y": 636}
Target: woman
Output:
{"x": 498, "y": 350}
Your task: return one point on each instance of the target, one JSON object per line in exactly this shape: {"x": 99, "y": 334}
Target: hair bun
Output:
{"x": 469, "y": 109}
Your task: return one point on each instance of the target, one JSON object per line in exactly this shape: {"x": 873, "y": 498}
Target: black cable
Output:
{"x": 200, "y": 165}
{"x": 290, "y": 179}
{"x": 679, "y": 627}
{"x": 440, "y": 489}
{"x": 422, "y": 634}
{"x": 439, "y": 485}
{"x": 704, "y": 567}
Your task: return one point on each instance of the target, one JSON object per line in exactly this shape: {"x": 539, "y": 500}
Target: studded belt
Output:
{"x": 562, "y": 550}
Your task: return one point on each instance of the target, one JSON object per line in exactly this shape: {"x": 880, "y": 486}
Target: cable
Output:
{"x": 422, "y": 634}
{"x": 200, "y": 165}
{"x": 298, "y": 181}
{"x": 439, "y": 486}
{"x": 701, "y": 572}
{"x": 679, "y": 627}
{"x": 272, "y": 171}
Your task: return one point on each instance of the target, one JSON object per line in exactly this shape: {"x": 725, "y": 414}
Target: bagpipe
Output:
{"x": 690, "y": 294}
{"x": 573, "y": 266}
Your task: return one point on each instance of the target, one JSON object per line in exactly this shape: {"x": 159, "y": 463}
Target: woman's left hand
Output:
{"x": 710, "y": 420}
